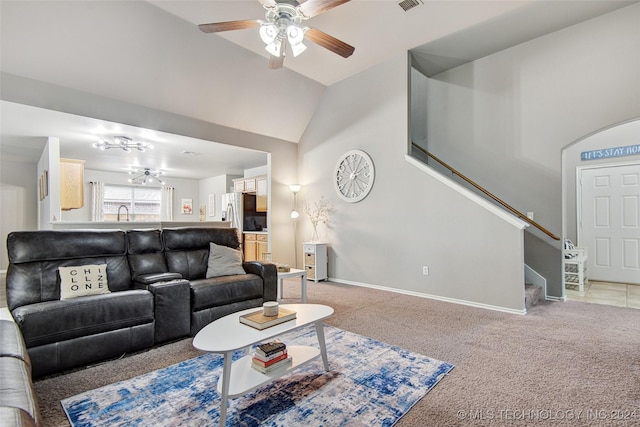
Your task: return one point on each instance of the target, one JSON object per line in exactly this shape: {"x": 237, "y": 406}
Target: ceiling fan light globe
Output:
{"x": 297, "y": 49}
{"x": 295, "y": 34}
{"x": 273, "y": 48}
{"x": 268, "y": 33}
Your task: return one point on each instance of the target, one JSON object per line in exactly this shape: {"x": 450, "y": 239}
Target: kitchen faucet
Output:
{"x": 126, "y": 209}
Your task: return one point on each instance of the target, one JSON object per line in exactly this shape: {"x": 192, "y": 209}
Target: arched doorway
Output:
{"x": 592, "y": 158}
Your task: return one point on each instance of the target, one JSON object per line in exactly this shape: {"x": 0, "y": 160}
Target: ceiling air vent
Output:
{"x": 409, "y": 4}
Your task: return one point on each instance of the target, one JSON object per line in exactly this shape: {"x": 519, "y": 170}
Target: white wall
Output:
{"x": 49, "y": 207}
{"x": 504, "y": 120}
{"x": 409, "y": 219}
{"x": 18, "y": 201}
{"x": 260, "y": 170}
{"x": 215, "y": 187}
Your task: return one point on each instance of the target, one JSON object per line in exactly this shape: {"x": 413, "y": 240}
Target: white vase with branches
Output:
{"x": 318, "y": 213}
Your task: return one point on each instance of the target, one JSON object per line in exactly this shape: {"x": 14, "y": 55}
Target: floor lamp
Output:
{"x": 294, "y": 216}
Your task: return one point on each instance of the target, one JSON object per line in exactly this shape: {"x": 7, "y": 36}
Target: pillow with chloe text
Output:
{"x": 83, "y": 280}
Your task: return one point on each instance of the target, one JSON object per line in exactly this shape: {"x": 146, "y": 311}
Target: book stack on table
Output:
{"x": 270, "y": 356}
{"x": 258, "y": 320}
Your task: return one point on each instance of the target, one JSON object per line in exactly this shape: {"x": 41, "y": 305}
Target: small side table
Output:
{"x": 294, "y": 272}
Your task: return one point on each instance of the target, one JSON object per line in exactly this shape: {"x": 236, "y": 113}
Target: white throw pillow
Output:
{"x": 224, "y": 261}
{"x": 83, "y": 280}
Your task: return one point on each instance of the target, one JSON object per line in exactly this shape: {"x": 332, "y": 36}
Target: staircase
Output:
{"x": 535, "y": 284}
{"x": 532, "y": 295}
{"x": 534, "y": 287}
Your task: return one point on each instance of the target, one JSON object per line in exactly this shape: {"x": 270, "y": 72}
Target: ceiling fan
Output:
{"x": 284, "y": 22}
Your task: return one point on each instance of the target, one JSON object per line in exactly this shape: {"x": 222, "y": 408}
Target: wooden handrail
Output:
{"x": 488, "y": 194}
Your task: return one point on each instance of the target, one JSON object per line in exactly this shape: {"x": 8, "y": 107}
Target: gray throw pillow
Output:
{"x": 224, "y": 261}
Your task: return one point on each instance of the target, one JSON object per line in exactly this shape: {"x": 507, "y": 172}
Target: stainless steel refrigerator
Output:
{"x": 241, "y": 210}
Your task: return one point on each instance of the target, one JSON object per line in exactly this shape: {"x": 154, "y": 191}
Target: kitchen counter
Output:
{"x": 129, "y": 225}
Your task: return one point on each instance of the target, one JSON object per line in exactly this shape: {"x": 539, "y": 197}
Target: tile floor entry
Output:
{"x": 617, "y": 294}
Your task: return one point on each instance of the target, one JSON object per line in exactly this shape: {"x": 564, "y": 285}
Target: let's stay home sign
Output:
{"x": 629, "y": 150}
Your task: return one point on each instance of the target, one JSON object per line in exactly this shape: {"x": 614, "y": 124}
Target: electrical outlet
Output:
{"x": 425, "y": 270}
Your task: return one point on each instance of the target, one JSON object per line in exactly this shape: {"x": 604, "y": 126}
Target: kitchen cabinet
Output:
{"x": 244, "y": 185}
{"x": 71, "y": 184}
{"x": 261, "y": 194}
{"x": 315, "y": 260}
{"x": 250, "y": 185}
{"x": 255, "y": 244}
{"x": 238, "y": 185}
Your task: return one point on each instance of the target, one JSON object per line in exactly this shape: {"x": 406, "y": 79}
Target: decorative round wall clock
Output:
{"x": 353, "y": 177}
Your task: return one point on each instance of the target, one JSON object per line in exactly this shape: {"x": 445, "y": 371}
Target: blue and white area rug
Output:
{"x": 369, "y": 383}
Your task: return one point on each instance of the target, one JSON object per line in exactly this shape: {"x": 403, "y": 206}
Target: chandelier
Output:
{"x": 145, "y": 175}
{"x": 124, "y": 143}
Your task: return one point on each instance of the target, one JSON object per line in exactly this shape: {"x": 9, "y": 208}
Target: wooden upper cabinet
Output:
{"x": 261, "y": 194}
{"x": 246, "y": 185}
{"x": 71, "y": 184}
{"x": 238, "y": 185}
{"x": 249, "y": 185}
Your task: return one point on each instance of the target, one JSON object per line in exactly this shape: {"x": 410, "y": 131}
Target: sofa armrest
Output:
{"x": 146, "y": 279}
{"x": 269, "y": 274}
{"x": 16, "y": 391}
{"x": 172, "y": 309}
{"x": 13, "y": 417}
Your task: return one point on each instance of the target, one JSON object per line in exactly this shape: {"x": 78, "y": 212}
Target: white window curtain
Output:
{"x": 166, "y": 204}
{"x": 97, "y": 201}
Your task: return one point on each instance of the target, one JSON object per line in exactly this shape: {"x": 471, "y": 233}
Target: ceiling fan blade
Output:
{"x": 216, "y": 27}
{"x": 268, "y": 3}
{"x": 329, "y": 42}
{"x": 276, "y": 62}
{"x": 311, "y": 8}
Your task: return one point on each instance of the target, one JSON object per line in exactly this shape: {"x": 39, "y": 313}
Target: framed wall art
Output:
{"x": 187, "y": 206}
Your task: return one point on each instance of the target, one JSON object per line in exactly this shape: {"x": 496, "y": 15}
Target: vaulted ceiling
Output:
{"x": 151, "y": 53}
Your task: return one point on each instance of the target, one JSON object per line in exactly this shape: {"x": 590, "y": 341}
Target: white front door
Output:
{"x": 609, "y": 221}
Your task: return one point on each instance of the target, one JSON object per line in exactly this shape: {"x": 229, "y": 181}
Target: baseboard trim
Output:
{"x": 433, "y": 297}
{"x": 552, "y": 298}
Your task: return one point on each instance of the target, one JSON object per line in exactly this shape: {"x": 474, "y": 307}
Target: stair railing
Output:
{"x": 487, "y": 193}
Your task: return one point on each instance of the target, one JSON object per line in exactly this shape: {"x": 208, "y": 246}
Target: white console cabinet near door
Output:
{"x": 315, "y": 260}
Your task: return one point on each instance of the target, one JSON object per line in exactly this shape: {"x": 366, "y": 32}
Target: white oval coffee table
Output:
{"x": 227, "y": 334}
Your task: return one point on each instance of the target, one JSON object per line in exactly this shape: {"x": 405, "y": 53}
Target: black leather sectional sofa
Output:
{"x": 157, "y": 283}
{"x": 18, "y": 403}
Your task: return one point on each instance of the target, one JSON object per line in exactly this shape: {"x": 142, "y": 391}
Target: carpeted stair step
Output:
{"x": 532, "y": 295}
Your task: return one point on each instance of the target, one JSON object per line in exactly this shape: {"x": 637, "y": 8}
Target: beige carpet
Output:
{"x": 573, "y": 363}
